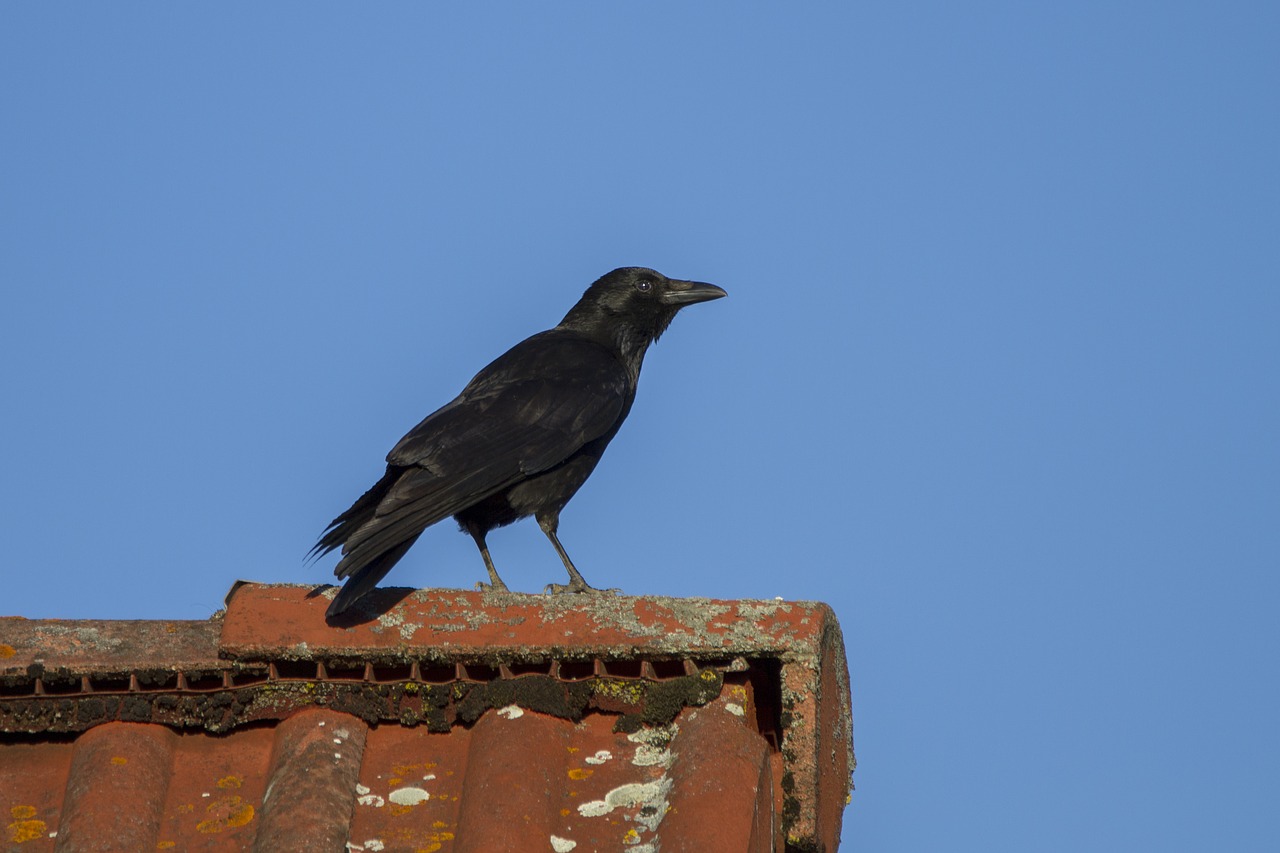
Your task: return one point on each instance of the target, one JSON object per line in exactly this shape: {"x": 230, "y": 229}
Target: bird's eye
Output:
{"x": 644, "y": 285}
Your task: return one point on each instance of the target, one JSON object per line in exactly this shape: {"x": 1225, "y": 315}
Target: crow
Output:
{"x": 520, "y": 439}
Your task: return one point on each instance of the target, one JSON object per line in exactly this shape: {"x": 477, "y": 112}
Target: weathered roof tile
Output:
{"x": 455, "y": 721}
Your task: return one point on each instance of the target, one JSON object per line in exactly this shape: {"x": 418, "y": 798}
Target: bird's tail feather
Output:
{"x": 366, "y": 577}
{"x": 360, "y": 513}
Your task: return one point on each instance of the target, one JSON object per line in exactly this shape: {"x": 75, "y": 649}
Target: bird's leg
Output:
{"x": 576, "y": 582}
{"x": 496, "y": 584}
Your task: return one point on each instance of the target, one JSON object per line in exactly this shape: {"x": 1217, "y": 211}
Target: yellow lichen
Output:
{"x": 26, "y": 830}
{"x": 228, "y": 813}
{"x": 7, "y": 651}
{"x": 578, "y": 773}
{"x": 409, "y": 769}
{"x": 119, "y": 760}
{"x": 631, "y": 692}
{"x": 230, "y": 782}
{"x": 242, "y": 816}
{"x": 24, "y": 826}
{"x": 166, "y": 845}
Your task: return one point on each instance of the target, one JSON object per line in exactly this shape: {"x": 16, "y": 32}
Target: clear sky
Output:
{"x": 998, "y": 376}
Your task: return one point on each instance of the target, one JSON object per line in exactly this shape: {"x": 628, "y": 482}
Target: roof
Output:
{"x": 431, "y": 720}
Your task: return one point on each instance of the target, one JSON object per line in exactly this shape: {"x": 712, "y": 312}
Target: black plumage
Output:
{"x": 520, "y": 439}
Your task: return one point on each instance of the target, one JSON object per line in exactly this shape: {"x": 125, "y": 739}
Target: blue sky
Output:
{"x": 996, "y": 378}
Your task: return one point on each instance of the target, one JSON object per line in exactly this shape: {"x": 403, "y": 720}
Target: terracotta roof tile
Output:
{"x": 454, "y": 721}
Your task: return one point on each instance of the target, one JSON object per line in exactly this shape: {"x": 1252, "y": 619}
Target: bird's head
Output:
{"x": 634, "y": 305}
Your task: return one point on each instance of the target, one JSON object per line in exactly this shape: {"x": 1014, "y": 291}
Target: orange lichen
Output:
{"x": 119, "y": 760}
{"x": 230, "y": 782}
{"x": 166, "y": 845}
{"x": 7, "y": 651}
{"x": 26, "y": 830}
{"x": 406, "y": 838}
{"x": 228, "y": 813}
{"x": 410, "y": 769}
{"x": 580, "y": 773}
{"x": 24, "y": 826}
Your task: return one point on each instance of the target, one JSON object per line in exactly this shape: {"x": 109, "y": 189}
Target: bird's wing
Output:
{"x": 528, "y": 411}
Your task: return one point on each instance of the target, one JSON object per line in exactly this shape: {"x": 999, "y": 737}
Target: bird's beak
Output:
{"x": 680, "y": 293}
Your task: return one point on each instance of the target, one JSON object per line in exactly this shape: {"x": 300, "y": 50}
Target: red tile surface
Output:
{"x": 282, "y": 621}
{"x": 454, "y": 721}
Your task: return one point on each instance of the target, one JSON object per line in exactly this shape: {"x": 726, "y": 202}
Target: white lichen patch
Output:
{"x": 595, "y": 808}
{"x": 371, "y": 800}
{"x": 393, "y": 620}
{"x": 408, "y": 796}
{"x": 627, "y": 796}
{"x": 655, "y": 736}
{"x": 373, "y": 845}
{"x": 735, "y": 709}
{"x": 600, "y": 757}
{"x": 650, "y": 756}
{"x": 652, "y": 745}
{"x": 562, "y": 845}
{"x": 511, "y": 712}
{"x": 362, "y": 789}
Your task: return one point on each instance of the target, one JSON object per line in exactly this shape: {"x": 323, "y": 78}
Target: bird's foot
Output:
{"x": 497, "y": 586}
{"x": 578, "y": 588}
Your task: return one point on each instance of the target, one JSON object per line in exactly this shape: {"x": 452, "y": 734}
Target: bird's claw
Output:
{"x": 492, "y": 587}
{"x": 580, "y": 589}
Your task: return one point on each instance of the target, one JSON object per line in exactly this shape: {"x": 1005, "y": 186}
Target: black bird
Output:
{"x": 520, "y": 439}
